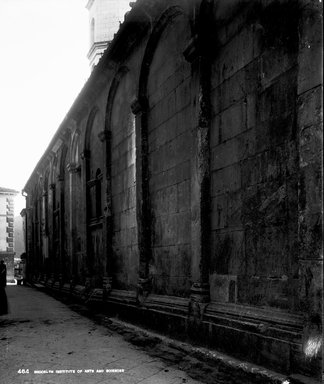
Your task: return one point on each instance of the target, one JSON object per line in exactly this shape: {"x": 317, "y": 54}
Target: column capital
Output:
{"x": 85, "y": 154}
{"x": 200, "y": 292}
{"x": 191, "y": 52}
{"x": 73, "y": 168}
{"x": 104, "y": 135}
{"x": 139, "y": 105}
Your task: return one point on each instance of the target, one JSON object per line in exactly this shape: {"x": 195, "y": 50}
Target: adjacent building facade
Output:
{"x": 7, "y": 247}
{"x": 183, "y": 188}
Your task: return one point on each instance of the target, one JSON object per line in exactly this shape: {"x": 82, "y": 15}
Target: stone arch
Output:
{"x": 60, "y": 212}
{"x": 53, "y": 170}
{"x": 63, "y": 161}
{"x": 153, "y": 41}
{"x": 112, "y": 93}
{"x": 74, "y": 151}
{"x": 45, "y": 199}
{"x": 156, "y": 229}
{"x": 75, "y": 198}
{"x": 89, "y": 126}
{"x": 93, "y": 155}
{"x": 45, "y": 219}
{"x": 121, "y": 180}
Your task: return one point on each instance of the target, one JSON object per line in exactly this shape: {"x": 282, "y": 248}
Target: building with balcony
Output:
{"x": 7, "y": 240}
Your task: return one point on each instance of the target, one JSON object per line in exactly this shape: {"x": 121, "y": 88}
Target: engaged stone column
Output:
{"x": 200, "y": 181}
{"x": 52, "y": 256}
{"x": 85, "y": 157}
{"x": 105, "y": 138}
{"x": 139, "y": 109}
{"x": 74, "y": 171}
{"x": 61, "y": 214}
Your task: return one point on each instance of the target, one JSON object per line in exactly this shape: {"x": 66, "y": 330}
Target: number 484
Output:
{"x": 23, "y": 371}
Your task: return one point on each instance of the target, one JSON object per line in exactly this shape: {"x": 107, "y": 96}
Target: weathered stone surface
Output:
{"x": 199, "y": 182}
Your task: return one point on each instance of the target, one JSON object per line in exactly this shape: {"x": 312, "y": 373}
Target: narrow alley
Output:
{"x": 44, "y": 341}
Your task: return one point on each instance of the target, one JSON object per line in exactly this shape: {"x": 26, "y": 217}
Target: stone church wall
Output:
{"x": 254, "y": 179}
{"x": 183, "y": 189}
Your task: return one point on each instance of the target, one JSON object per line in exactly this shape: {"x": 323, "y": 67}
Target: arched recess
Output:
{"x": 94, "y": 164}
{"x": 166, "y": 146}
{"x": 36, "y": 228}
{"x": 63, "y": 185}
{"x": 45, "y": 220}
{"x": 54, "y": 205}
{"x": 74, "y": 152}
{"x": 75, "y": 206}
{"x": 121, "y": 182}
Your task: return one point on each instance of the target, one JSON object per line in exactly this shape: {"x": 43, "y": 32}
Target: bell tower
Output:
{"x": 104, "y": 19}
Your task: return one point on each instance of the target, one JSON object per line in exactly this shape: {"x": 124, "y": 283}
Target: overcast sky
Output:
{"x": 43, "y": 66}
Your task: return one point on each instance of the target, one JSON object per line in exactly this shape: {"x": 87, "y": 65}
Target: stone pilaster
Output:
{"x": 74, "y": 172}
{"x": 105, "y": 138}
{"x": 85, "y": 157}
{"x": 200, "y": 181}
{"x": 60, "y": 183}
{"x": 139, "y": 109}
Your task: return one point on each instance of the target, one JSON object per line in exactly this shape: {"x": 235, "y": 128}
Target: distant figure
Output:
{"x": 3, "y": 283}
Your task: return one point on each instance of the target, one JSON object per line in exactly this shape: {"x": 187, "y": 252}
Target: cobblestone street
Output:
{"x": 43, "y": 341}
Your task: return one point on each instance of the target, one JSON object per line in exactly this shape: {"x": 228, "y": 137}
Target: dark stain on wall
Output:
{"x": 223, "y": 255}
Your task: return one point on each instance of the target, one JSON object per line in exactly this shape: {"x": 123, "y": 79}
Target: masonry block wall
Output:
{"x": 170, "y": 156}
{"x": 184, "y": 186}
{"x": 123, "y": 185}
{"x": 254, "y": 160}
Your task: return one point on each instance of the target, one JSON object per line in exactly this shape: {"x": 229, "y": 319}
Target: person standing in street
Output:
{"x": 3, "y": 283}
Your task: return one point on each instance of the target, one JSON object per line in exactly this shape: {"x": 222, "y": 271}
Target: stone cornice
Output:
{"x": 97, "y": 45}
